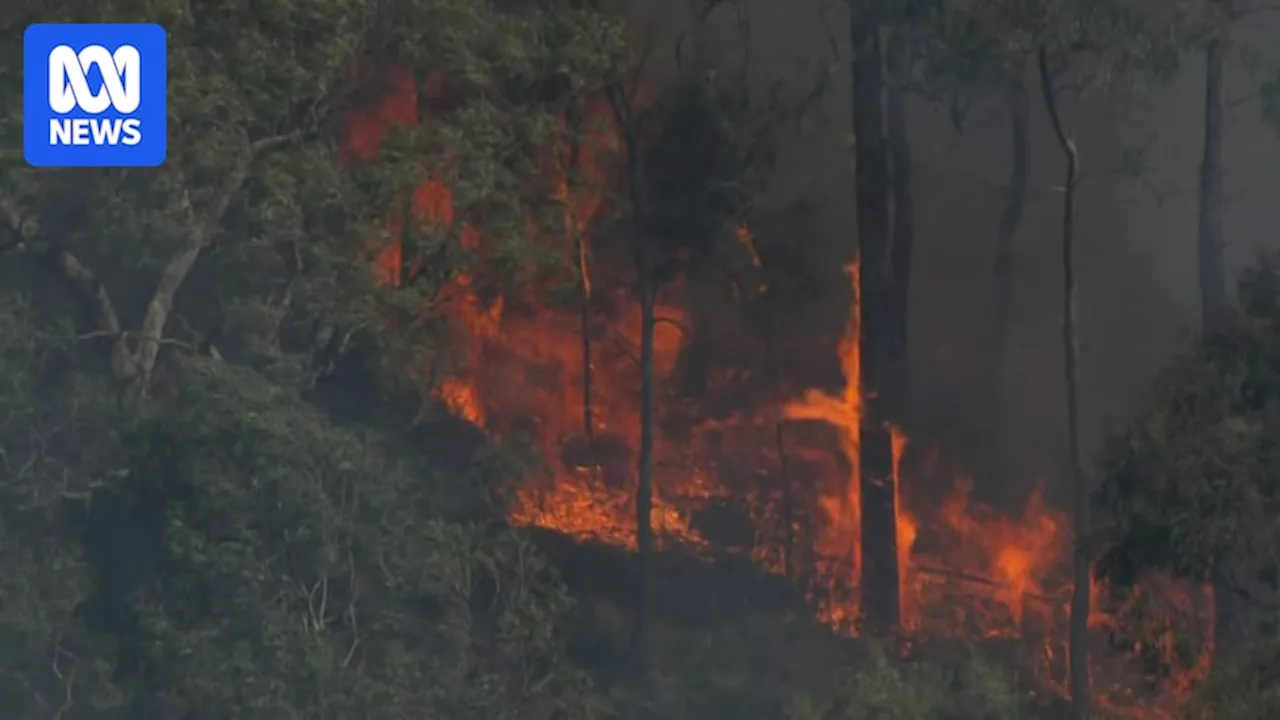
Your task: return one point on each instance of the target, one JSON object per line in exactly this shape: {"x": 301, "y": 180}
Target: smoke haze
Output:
{"x": 1138, "y": 297}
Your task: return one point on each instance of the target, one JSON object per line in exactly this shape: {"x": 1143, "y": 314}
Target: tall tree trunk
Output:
{"x": 644, "y": 484}
{"x": 898, "y": 66}
{"x": 879, "y": 582}
{"x": 583, "y": 279}
{"x": 1209, "y": 231}
{"x": 641, "y": 630}
{"x": 1079, "y": 625}
{"x": 588, "y": 374}
{"x": 1015, "y": 198}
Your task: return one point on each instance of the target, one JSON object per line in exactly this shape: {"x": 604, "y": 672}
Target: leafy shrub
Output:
{"x": 889, "y": 690}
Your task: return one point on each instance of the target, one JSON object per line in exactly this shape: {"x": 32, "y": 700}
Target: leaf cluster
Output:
{"x": 1109, "y": 45}
{"x": 706, "y": 164}
{"x": 233, "y": 553}
{"x": 1190, "y": 486}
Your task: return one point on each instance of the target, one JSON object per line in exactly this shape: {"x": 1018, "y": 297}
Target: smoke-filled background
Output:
{"x": 1138, "y": 301}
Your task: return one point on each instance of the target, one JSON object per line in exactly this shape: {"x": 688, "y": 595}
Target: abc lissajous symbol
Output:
{"x": 121, "y": 79}
{"x": 94, "y": 95}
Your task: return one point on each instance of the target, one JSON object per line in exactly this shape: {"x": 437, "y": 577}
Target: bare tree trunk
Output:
{"x": 898, "y": 65}
{"x": 584, "y": 295}
{"x": 641, "y": 630}
{"x": 644, "y": 484}
{"x": 1015, "y": 197}
{"x": 879, "y": 583}
{"x": 583, "y": 280}
{"x": 1209, "y": 231}
{"x": 1079, "y": 623}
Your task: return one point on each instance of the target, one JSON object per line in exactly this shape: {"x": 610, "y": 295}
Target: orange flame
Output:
{"x": 522, "y": 376}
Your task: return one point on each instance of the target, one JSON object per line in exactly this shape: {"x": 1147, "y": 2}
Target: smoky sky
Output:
{"x": 1137, "y": 299}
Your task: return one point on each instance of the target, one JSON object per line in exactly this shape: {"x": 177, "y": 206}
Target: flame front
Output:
{"x": 966, "y": 571}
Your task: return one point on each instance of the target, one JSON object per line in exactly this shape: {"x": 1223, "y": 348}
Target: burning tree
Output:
{"x": 883, "y": 374}
{"x": 693, "y": 164}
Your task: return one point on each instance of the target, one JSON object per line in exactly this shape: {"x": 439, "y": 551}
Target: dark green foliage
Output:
{"x": 1191, "y": 486}
{"x": 185, "y": 533}
{"x": 245, "y": 558}
{"x": 888, "y": 689}
{"x": 269, "y": 565}
{"x": 1242, "y": 686}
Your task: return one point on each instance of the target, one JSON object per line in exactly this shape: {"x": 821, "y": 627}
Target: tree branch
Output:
{"x": 1051, "y": 103}
{"x": 83, "y": 280}
{"x": 201, "y": 231}
{"x": 137, "y": 366}
{"x": 94, "y": 292}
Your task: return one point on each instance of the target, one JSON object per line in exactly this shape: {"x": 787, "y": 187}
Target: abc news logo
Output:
{"x": 94, "y": 95}
{"x": 69, "y": 89}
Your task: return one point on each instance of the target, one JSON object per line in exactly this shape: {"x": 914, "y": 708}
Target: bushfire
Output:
{"x": 966, "y": 571}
